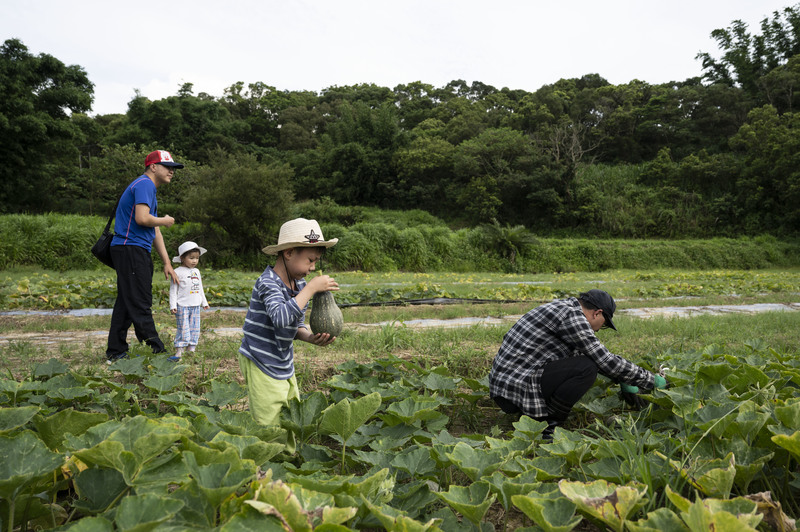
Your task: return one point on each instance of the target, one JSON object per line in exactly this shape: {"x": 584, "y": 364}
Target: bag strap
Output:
{"x": 113, "y": 214}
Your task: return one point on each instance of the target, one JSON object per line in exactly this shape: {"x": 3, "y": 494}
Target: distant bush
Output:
{"x": 62, "y": 242}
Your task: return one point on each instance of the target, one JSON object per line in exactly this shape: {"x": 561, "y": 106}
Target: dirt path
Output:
{"x": 100, "y": 337}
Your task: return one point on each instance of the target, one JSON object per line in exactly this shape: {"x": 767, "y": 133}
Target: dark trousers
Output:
{"x": 563, "y": 383}
{"x": 134, "y": 299}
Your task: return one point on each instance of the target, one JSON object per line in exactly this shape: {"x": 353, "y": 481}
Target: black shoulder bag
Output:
{"x": 102, "y": 248}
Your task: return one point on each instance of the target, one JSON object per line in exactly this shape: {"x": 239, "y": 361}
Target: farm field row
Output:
{"x": 395, "y": 427}
{"x": 28, "y": 289}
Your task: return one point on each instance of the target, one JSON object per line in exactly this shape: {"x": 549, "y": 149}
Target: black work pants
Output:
{"x": 134, "y": 301}
{"x": 563, "y": 383}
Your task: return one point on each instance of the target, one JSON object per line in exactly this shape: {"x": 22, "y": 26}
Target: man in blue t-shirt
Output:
{"x": 136, "y": 229}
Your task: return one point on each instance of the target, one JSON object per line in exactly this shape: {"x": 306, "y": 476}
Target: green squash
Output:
{"x": 326, "y": 317}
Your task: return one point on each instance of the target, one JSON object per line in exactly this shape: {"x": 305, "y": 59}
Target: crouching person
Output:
{"x": 551, "y": 357}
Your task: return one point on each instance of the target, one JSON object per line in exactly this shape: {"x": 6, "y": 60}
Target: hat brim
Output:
{"x": 173, "y": 165}
{"x": 273, "y": 250}
{"x": 177, "y": 258}
{"x": 608, "y": 322}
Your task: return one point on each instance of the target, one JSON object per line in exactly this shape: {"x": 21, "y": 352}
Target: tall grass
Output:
{"x": 62, "y": 242}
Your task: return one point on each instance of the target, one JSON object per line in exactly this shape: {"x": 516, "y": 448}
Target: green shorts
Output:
{"x": 268, "y": 395}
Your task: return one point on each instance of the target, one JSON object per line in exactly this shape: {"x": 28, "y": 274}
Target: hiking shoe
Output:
{"x": 174, "y": 358}
{"x": 113, "y": 358}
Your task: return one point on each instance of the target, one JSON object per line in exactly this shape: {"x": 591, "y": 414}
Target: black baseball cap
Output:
{"x": 602, "y": 300}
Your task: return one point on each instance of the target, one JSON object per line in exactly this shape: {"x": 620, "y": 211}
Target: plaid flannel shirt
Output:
{"x": 553, "y": 331}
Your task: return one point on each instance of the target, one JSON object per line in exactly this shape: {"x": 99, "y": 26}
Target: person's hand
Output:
{"x": 167, "y": 220}
{"x": 206, "y": 307}
{"x": 630, "y": 394}
{"x": 321, "y": 339}
{"x": 323, "y": 283}
{"x": 174, "y": 310}
{"x": 660, "y": 383}
{"x": 169, "y": 273}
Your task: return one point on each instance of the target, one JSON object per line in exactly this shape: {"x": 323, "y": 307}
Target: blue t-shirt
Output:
{"x": 126, "y": 231}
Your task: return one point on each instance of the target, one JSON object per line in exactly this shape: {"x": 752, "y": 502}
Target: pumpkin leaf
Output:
{"x": 416, "y": 461}
{"x": 394, "y": 520}
{"x": 790, "y": 443}
{"x": 24, "y": 459}
{"x": 789, "y": 415}
{"x": 97, "y": 489}
{"x": 224, "y": 393}
{"x": 552, "y": 515}
{"x": 219, "y": 478}
{"x": 49, "y": 369}
{"x": 476, "y": 463}
{"x": 14, "y": 418}
{"x": 471, "y": 501}
{"x": 302, "y": 415}
{"x": 660, "y": 520}
{"x": 606, "y": 502}
{"x": 53, "y": 429}
{"x": 345, "y": 417}
{"x": 141, "y": 513}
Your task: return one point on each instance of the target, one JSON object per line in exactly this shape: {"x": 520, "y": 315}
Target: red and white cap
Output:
{"x": 161, "y": 157}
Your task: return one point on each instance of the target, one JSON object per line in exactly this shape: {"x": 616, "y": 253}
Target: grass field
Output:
{"x": 466, "y": 350}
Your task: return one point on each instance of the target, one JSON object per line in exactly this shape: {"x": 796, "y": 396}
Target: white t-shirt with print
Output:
{"x": 188, "y": 291}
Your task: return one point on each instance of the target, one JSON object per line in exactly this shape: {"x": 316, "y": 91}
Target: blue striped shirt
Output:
{"x": 271, "y": 324}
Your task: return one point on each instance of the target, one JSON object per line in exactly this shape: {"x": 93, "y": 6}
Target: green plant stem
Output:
{"x": 11, "y": 506}
{"x": 117, "y": 499}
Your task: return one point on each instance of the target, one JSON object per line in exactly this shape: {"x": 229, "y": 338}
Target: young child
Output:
{"x": 275, "y": 319}
{"x": 186, "y": 297}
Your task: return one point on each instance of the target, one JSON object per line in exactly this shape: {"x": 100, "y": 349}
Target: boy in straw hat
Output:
{"x": 275, "y": 319}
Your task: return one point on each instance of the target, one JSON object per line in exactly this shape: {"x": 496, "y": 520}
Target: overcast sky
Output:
{"x": 314, "y": 44}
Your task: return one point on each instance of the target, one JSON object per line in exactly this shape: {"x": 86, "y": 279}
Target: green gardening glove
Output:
{"x": 660, "y": 382}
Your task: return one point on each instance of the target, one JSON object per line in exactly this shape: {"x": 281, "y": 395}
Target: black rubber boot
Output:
{"x": 547, "y": 433}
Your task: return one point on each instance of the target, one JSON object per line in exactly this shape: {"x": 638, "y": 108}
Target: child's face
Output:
{"x": 301, "y": 261}
{"x": 190, "y": 258}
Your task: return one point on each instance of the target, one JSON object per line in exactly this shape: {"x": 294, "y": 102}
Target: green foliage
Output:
{"x": 746, "y": 57}
{"x": 555, "y": 160}
{"x": 240, "y": 203}
{"x": 38, "y": 139}
{"x": 142, "y": 458}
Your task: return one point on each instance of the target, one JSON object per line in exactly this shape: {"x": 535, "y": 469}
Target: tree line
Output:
{"x": 715, "y": 155}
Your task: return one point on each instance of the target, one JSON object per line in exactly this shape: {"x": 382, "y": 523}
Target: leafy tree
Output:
{"x": 195, "y": 124}
{"x": 354, "y": 157}
{"x": 769, "y": 188}
{"x": 746, "y": 58}
{"x": 424, "y": 169}
{"x": 260, "y": 111}
{"x": 240, "y": 202}
{"x": 37, "y": 136}
{"x": 485, "y": 167}
{"x": 415, "y": 102}
{"x": 782, "y": 86}
{"x": 367, "y": 93}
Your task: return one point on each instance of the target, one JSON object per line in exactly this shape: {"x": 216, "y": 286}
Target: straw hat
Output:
{"x": 299, "y": 233}
{"x": 187, "y": 246}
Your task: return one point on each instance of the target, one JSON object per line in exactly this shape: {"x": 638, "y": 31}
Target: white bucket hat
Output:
{"x": 299, "y": 233}
{"x": 187, "y": 246}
